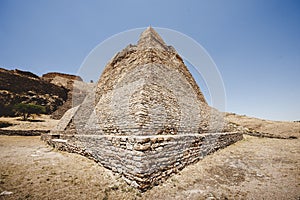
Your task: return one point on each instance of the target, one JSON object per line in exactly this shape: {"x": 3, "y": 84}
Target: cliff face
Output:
{"x": 18, "y": 86}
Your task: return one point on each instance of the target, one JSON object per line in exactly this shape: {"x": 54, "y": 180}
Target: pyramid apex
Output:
{"x": 150, "y": 38}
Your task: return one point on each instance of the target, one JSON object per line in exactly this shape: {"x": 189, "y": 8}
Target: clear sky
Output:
{"x": 254, "y": 43}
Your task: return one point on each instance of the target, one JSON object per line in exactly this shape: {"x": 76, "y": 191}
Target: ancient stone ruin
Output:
{"x": 145, "y": 119}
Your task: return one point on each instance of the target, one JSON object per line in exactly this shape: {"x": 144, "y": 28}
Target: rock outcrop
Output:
{"x": 52, "y": 75}
{"x": 146, "y": 118}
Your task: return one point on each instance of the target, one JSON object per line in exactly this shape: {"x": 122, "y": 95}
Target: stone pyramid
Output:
{"x": 146, "y": 118}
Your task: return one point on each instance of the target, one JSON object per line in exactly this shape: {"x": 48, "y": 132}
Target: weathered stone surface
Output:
{"x": 149, "y": 85}
{"x": 147, "y": 117}
{"x": 145, "y": 164}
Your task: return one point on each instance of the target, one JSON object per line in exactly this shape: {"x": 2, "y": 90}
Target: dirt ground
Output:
{"x": 254, "y": 168}
{"x": 43, "y": 122}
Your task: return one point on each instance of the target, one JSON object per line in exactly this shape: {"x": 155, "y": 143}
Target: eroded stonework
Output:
{"x": 147, "y": 117}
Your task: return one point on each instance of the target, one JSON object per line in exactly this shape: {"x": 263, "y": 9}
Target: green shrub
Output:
{"x": 26, "y": 110}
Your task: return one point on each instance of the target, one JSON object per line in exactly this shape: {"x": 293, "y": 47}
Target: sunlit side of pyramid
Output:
{"x": 146, "y": 118}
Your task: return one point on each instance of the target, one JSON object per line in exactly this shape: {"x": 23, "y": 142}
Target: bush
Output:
{"x": 26, "y": 110}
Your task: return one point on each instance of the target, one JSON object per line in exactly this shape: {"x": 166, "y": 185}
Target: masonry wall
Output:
{"x": 144, "y": 161}
{"x": 151, "y": 99}
{"x": 23, "y": 132}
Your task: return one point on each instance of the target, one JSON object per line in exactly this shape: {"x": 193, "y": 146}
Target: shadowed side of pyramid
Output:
{"x": 146, "y": 118}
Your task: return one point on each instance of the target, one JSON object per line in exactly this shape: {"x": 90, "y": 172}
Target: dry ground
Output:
{"x": 254, "y": 168}
{"x": 272, "y": 128}
{"x": 43, "y": 122}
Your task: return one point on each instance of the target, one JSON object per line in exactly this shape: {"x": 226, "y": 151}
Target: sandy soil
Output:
{"x": 254, "y": 168}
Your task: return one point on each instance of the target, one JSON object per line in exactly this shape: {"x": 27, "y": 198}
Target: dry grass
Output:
{"x": 273, "y": 128}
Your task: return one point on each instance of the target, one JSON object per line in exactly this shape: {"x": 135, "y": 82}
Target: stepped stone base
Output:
{"x": 143, "y": 161}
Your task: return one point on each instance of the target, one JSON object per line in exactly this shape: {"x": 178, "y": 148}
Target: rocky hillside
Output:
{"x": 18, "y": 86}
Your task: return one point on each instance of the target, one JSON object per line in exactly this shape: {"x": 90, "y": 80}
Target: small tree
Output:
{"x": 26, "y": 110}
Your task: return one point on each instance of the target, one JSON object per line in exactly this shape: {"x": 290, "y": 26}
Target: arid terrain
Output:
{"x": 254, "y": 168}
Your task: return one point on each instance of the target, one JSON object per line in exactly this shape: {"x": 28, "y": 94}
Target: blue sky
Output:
{"x": 254, "y": 43}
